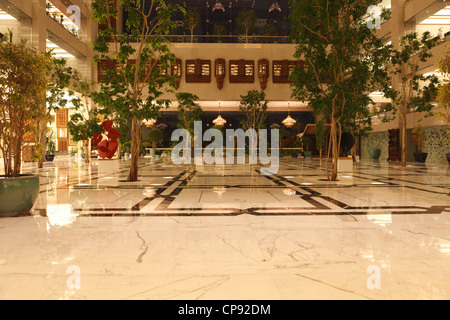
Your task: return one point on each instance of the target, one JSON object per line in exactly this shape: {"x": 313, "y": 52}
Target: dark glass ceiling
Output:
{"x": 279, "y": 19}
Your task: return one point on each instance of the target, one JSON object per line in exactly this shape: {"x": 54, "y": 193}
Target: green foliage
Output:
{"x": 219, "y": 30}
{"x": 320, "y": 134}
{"x": 133, "y": 88}
{"x": 154, "y": 135}
{"x": 306, "y": 142}
{"x": 51, "y": 143}
{"x": 246, "y": 21}
{"x": 420, "y": 90}
{"x": 188, "y": 111}
{"x": 127, "y": 146}
{"x": 418, "y": 130}
{"x": 268, "y": 30}
{"x": 253, "y": 107}
{"x": 23, "y": 83}
{"x": 191, "y": 20}
{"x": 60, "y": 78}
{"x": 82, "y": 129}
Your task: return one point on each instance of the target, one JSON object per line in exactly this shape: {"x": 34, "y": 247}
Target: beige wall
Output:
{"x": 232, "y": 91}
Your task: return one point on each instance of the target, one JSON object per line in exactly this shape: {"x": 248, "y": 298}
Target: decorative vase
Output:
{"x": 420, "y": 157}
{"x": 374, "y": 153}
{"x": 18, "y": 195}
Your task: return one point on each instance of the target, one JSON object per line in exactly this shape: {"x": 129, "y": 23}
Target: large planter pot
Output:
{"x": 420, "y": 157}
{"x": 307, "y": 154}
{"x": 49, "y": 157}
{"x": 18, "y": 195}
{"x": 448, "y": 158}
{"x": 374, "y": 153}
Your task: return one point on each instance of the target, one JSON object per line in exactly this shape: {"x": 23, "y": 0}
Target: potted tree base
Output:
{"x": 18, "y": 195}
{"x": 419, "y": 140}
{"x": 374, "y": 153}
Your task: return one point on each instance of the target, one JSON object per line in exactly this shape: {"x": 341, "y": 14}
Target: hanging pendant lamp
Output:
{"x": 289, "y": 122}
{"x": 149, "y": 123}
{"x": 218, "y": 6}
{"x": 219, "y": 121}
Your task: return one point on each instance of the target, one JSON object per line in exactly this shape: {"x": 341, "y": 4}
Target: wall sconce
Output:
{"x": 263, "y": 72}
{"x": 220, "y": 72}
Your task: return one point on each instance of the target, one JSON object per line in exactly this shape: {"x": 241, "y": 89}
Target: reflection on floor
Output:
{"x": 228, "y": 232}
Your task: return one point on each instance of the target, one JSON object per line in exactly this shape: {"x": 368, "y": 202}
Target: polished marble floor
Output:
{"x": 228, "y": 232}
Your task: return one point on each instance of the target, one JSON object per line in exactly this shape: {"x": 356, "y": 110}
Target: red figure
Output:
{"x": 106, "y": 142}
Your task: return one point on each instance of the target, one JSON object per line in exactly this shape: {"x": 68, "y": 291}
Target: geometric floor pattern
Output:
{"x": 228, "y": 232}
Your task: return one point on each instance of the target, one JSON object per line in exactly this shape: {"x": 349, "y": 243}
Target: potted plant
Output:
{"x": 51, "y": 146}
{"x": 127, "y": 149}
{"x": 23, "y": 82}
{"x": 74, "y": 151}
{"x": 154, "y": 136}
{"x": 418, "y": 138}
{"x": 306, "y": 143}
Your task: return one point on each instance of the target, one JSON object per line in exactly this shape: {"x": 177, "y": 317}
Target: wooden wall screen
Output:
{"x": 242, "y": 71}
{"x": 282, "y": 69}
{"x": 394, "y": 145}
{"x": 175, "y": 71}
{"x": 263, "y": 72}
{"x": 198, "y": 71}
{"x": 62, "y": 117}
{"x": 220, "y": 72}
{"x": 62, "y": 132}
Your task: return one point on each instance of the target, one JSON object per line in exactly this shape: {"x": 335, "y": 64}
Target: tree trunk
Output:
{"x": 192, "y": 35}
{"x": 404, "y": 139}
{"x": 135, "y": 149}
{"x": 42, "y": 141}
{"x": 334, "y": 151}
{"x": 353, "y": 151}
{"x": 87, "y": 151}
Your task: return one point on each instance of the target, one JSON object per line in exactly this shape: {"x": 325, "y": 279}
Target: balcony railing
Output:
{"x": 228, "y": 39}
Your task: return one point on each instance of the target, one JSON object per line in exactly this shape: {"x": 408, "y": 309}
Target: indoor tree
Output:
{"x": 443, "y": 97}
{"x": 408, "y": 89}
{"x": 137, "y": 58}
{"x": 23, "y": 84}
{"x": 342, "y": 55}
{"x": 60, "y": 76}
{"x": 83, "y": 128}
{"x": 253, "y": 107}
{"x": 188, "y": 111}
{"x": 246, "y": 21}
{"x": 191, "y": 20}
